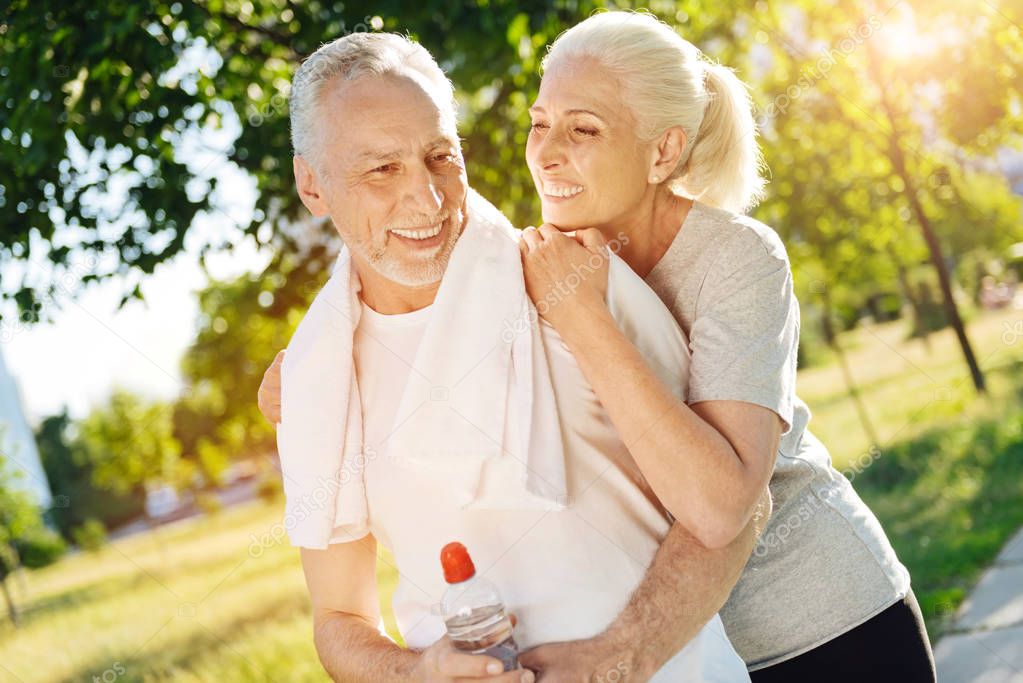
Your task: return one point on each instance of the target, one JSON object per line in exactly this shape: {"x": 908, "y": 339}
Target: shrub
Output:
{"x": 91, "y": 535}
{"x": 40, "y": 547}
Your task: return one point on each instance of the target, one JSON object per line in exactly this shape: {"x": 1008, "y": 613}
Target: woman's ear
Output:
{"x": 667, "y": 154}
{"x": 309, "y": 189}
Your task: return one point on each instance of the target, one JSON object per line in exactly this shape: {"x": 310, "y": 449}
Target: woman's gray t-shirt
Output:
{"x": 823, "y": 564}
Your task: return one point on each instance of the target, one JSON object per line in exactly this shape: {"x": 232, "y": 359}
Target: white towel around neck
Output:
{"x": 481, "y": 349}
{"x": 483, "y": 333}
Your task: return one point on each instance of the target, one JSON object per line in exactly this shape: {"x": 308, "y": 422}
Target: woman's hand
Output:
{"x": 562, "y": 268}
{"x": 269, "y": 395}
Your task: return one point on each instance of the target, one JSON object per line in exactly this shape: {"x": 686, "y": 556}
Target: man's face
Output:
{"x": 390, "y": 175}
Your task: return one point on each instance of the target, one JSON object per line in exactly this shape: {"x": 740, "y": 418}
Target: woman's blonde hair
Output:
{"x": 666, "y": 81}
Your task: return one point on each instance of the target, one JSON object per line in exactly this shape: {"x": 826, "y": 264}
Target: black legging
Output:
{"x": 892, "y": 646}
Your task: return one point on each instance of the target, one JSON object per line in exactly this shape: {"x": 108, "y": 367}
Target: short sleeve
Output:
{"x": 745, "y": 331}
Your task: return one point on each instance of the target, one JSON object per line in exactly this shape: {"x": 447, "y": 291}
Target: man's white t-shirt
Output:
{"x": 566, "y": 574}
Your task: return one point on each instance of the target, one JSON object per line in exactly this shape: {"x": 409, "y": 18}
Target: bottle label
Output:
{"x": 506, "y": 651}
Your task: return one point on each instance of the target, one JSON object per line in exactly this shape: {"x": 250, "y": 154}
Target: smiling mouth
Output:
{"x": 421, "y": 233}
{"x": 562, "y": 191}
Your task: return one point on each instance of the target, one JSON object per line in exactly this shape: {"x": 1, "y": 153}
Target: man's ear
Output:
{"x": 667, "y": 153}
{"x": 309, "y": 188}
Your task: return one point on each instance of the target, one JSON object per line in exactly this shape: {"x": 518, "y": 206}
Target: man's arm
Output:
{"x": 342, "y": 586}
{"x": 685, "y": 586}
{"x": 343, "y": 589}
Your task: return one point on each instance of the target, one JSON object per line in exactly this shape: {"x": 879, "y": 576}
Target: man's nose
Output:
{"x": 424, "y": 192}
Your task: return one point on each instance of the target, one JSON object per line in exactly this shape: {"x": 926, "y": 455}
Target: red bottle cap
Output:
{"x": 457, "y": 564}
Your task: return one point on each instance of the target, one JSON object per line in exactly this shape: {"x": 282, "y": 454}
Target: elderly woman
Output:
{"x": 637, "y": 137}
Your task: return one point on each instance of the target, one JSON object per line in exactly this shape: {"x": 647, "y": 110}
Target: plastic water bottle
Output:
{"x": 473, "y": 611}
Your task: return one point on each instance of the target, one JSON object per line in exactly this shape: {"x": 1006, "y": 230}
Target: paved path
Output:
{"x": 985, "y": 644}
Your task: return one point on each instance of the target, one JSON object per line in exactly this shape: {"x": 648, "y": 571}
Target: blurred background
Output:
{"x": 154, "y": 257}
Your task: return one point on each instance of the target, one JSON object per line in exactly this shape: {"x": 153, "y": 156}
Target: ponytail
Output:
{"x": 723, "y": 165}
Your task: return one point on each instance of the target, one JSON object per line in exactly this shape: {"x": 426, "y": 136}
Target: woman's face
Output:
{"x": 587, "y": 162}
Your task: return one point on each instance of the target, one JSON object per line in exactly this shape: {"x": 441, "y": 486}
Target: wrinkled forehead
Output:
{"x": 581, "y": 83}
{"x": 400, "y": 111}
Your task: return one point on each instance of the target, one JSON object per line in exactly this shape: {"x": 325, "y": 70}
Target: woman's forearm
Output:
{"x": 692, "y": 468}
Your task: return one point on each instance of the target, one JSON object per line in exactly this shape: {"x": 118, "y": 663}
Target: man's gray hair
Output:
{"x": 348, "y": 58}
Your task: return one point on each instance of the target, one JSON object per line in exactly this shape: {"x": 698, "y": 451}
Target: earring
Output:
{"x": 655, "y": 179}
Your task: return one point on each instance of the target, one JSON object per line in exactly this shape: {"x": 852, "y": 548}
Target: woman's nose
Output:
{"x": 552, "y": 151}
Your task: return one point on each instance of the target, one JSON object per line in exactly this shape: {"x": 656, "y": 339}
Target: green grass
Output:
{"x": 948, "y": 486}
{"x": 909, "y": 389}
{"x": 190, "y": 603}
{"x": 949, "y": 499}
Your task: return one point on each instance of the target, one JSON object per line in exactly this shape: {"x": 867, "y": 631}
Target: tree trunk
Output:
{"x": 20, "y": 574}
{"x": 909, "y": 191}
{"x": 832, "y": 339}
{"x": 11, "y": 609}
{"x": 907, "y": 291}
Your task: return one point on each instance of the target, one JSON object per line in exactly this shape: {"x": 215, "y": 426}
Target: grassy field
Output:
{"x": 948, "y": 484}
{"x": 188, "y": 603}
{"x": 193, "y": 602}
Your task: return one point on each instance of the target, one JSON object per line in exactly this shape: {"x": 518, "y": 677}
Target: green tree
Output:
{"x": 75, "y": 498}
{"x": 99, "y": 104}
{"x": 20, "y": 517}
{"x": 17, "y": 516}
{"x": 859, "y": 135}
{"x": 242, "y": 324}
{"x": 128, "y": 444}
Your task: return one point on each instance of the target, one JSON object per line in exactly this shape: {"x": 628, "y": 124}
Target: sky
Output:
{"x": 90, "y": 346}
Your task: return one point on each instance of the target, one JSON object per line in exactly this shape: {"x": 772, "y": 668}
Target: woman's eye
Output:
{"x": 538, "y": 126}
{"x": 383, "y": 169}
{"x": 586, "y": 131}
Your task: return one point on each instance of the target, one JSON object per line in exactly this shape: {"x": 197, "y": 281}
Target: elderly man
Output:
{"x": 425, "y": 272}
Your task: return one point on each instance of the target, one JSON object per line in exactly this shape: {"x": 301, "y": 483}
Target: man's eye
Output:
{"x": 383, "y": 169}
{"x": 538, "y": 126}
{"x": 586, "y": 131}
{"x": 443, "y": 158}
